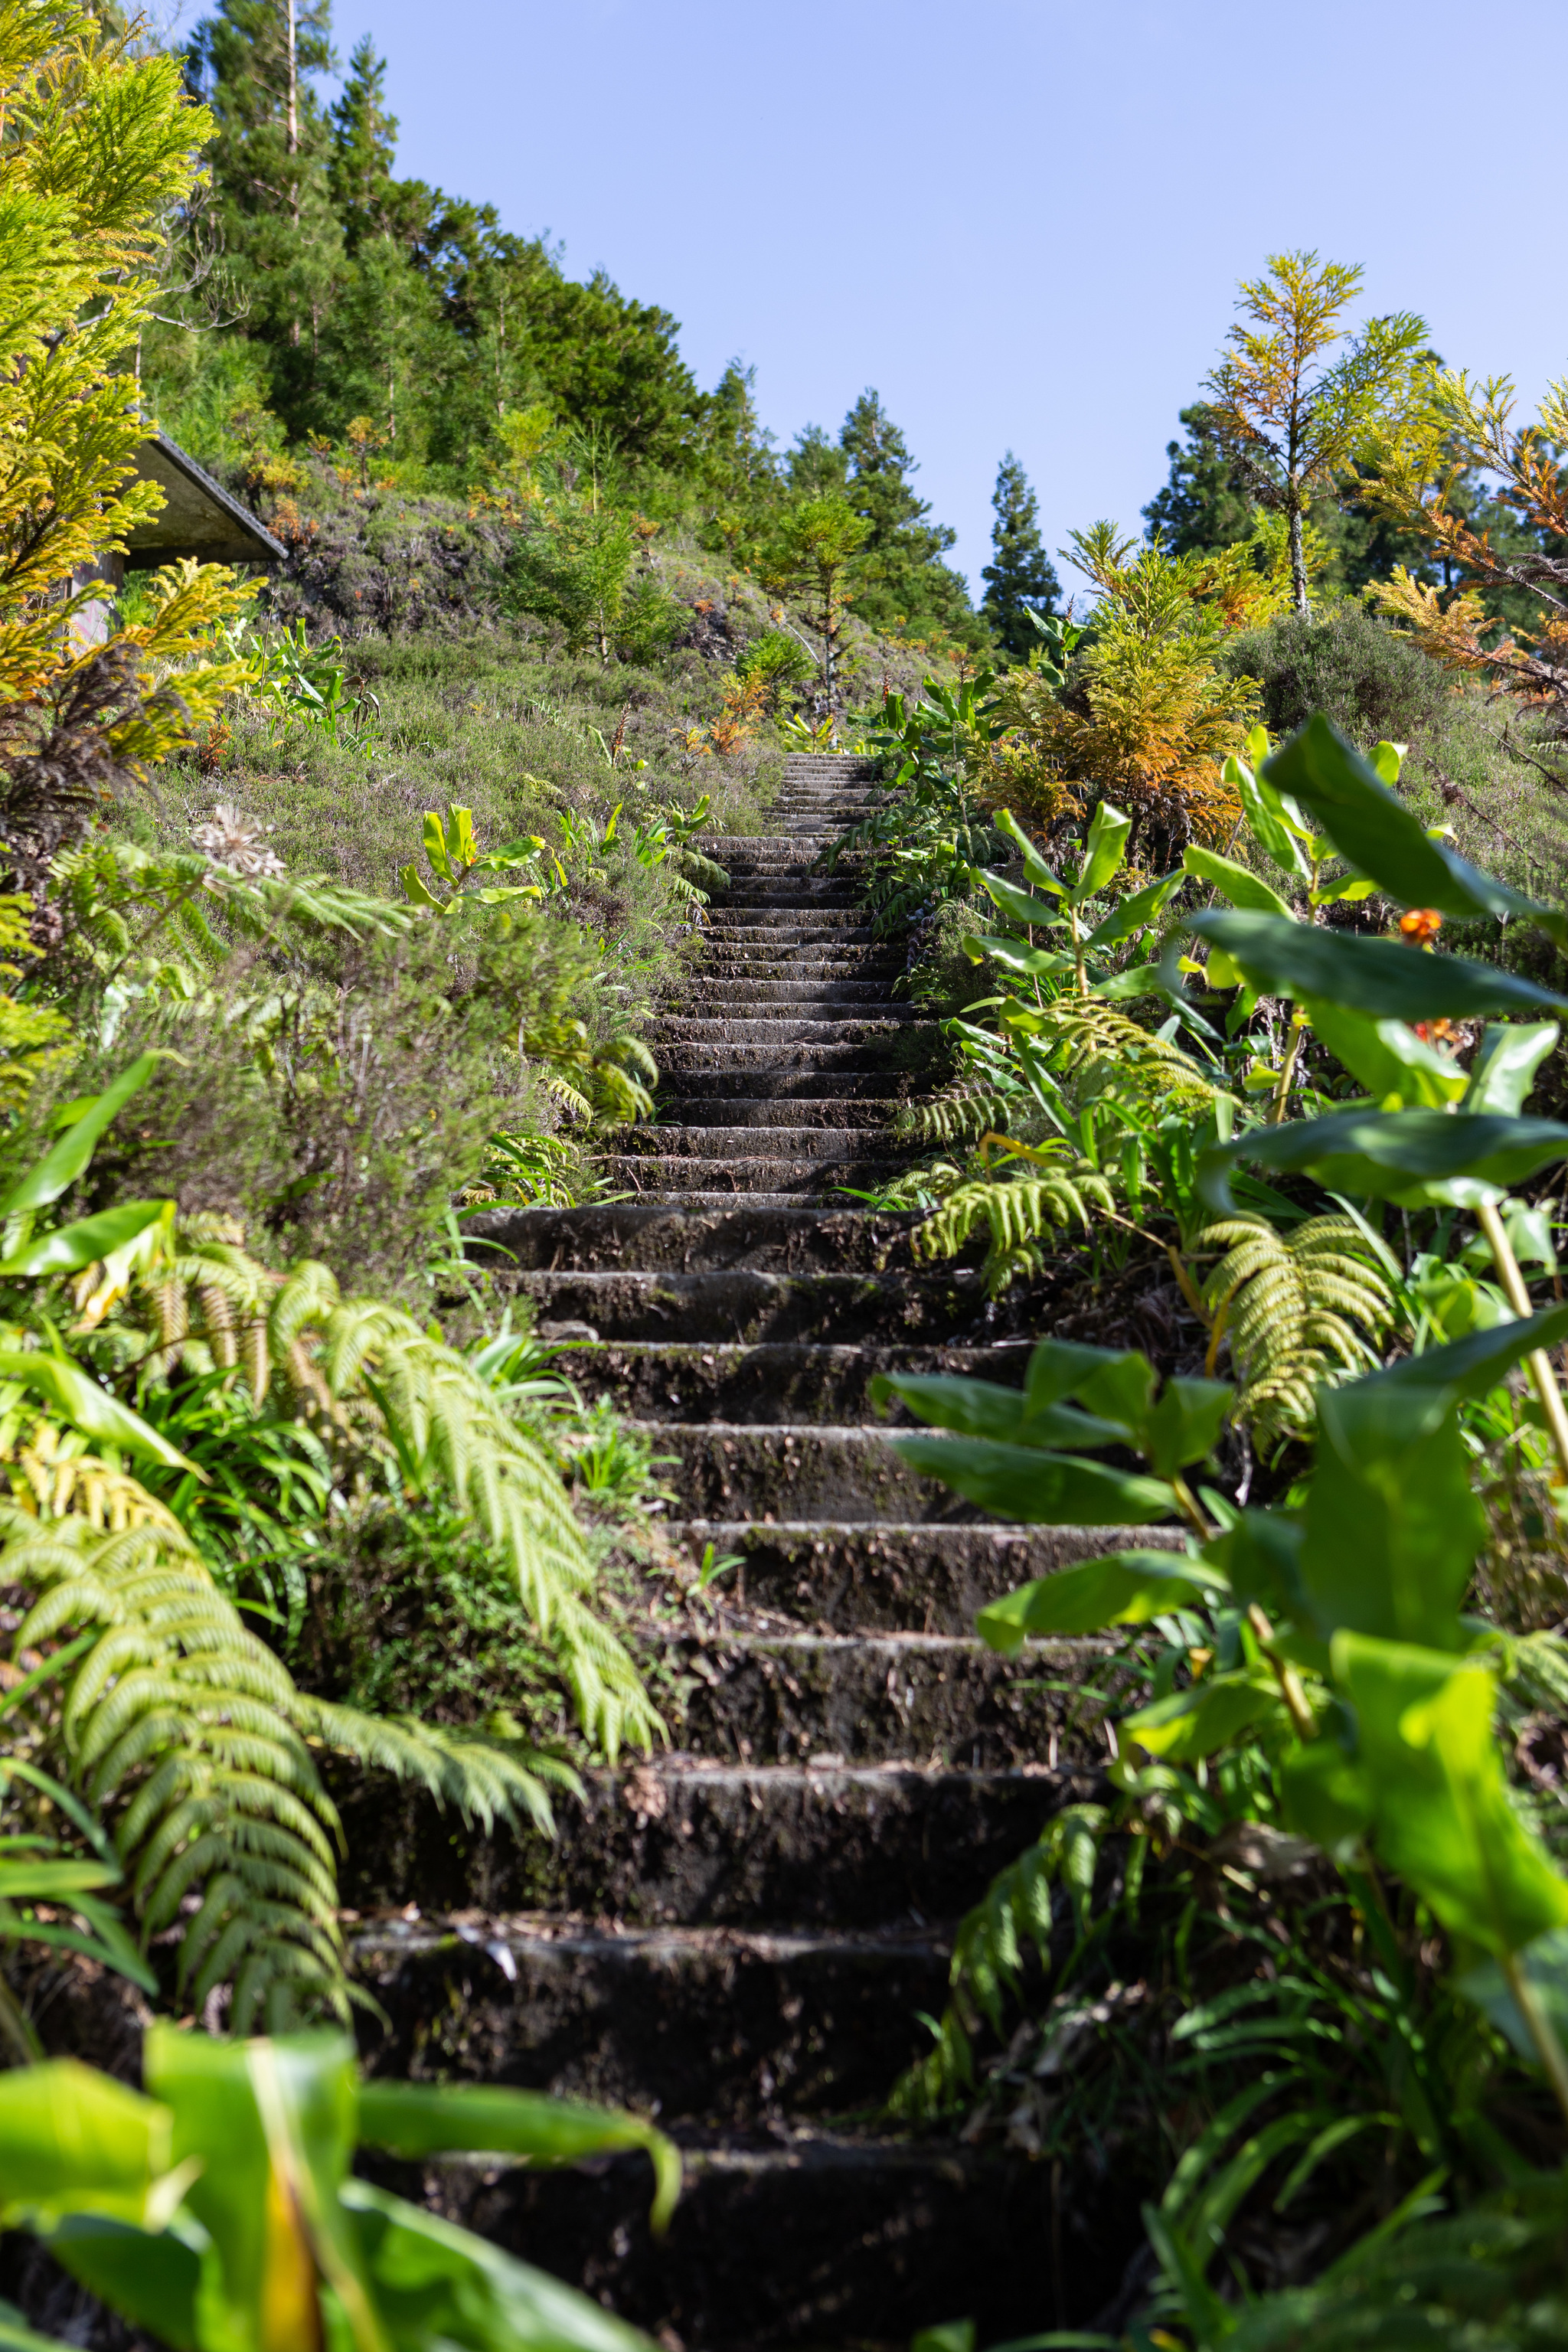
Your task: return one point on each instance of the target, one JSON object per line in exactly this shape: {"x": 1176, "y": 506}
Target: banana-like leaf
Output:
{"x": 415, "y": 2119}
{"x": 1236, "y": 883}
{"x": 63, "y": 1162}
{"x": 1017, "y": 903}
{"x": 1383, "y": 977}
{"x": 78, "y": 1399}
{"x": 70, "y": 1247}
{"x": 1391, "y": 1060}
{"x": 1474, "y": 1365}
{"x": 1266, "y": 821}
{"x": 1504, "y": 1068}
{"x": 1372, "y": 826}
{"x": 1029, "y": 963}
{"x": 1137, "y": 909}
{"x": 1125, "y": 1588}
{"x": 981, "y": 1409}
{"x": 1391, "y": 1155}
{"x": 1192, "y": 1723}
{"x": 1034, "y": 865}
{"x": 1019, "y": 1482}
{"x": 1103, "y": 853}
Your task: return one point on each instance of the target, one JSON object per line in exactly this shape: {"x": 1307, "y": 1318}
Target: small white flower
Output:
{"x": 238, "y": 843}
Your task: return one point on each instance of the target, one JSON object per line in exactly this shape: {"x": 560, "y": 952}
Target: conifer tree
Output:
{"x": 1204, "y": 503}
{"x": 364, "y": 148}
{"x": 904, "y": 580}
{"x": 1022, "y": 580}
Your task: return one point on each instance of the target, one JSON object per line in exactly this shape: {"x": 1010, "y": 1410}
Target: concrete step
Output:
{"x": 875, "y": 1089}
{"x": 927, "y": 1698}
{"x": 792, "y": 1114}
{"x": 805, "y": 2238}
{"x": 838, "y": 1576}
{"x": 785, "y": 1028}
{"x": 744, "y": 1304}
{"x": 866, "y": 997}
{"x": 673, "y": 1172}
{"x": 821, "y": 2022}
{"x": 794, "y": 1138}
{"x": 897, "y": 1046}
{"x": 813, "y": 922}
{"x": 796, "y": 1470}
{"x": 622, "y": 1240}
{"x": 678, "y": 1840}
{"x": 687, "y": 1380}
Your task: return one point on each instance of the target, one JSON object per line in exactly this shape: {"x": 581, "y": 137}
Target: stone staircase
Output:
{"x": 740, "y": 1935}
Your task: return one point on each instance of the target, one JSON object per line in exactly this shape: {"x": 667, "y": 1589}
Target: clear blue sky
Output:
{"x": 1022, "y": 221}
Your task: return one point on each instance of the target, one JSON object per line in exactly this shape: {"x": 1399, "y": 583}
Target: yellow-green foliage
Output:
{"x": 1019, "y": 1214}
{"x": 1292, "y": 1306}
{"x": 31, "y": 1035}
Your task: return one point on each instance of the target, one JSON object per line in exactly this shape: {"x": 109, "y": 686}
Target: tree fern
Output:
{"x": 1019, "y": 1212}
{"x": 1293, "y": 1307}
{"x": 1104, "y": 1051}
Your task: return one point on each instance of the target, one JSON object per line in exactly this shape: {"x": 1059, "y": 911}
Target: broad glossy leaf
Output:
{"x": 1139, "y": 908}
{"x": 1017, "y": 1483}
{"x": 70, "y": 1247}
{"x": 1445, "y": 1821}
{"x": 1034, "y": 865}
{"x": 1383, "y": 977}
{"x": 1473, "y": 1366}
{"x": 1104, "y": 851}
{"x": 1030, "y": 963}
{"x": 1390, "y": 1155}
{"x": 1018, "y": 903}
{"x": 982, "y": 1409}
{"x": 1327, "y": 1796}
{"x": 1266, "y": 820}
{"x": 415, "y": 2119}
{"x": 1212, "y": 1715}
{"x": 1387, "y": 1057}
{"x": 1372, "y": 826}
{"x": 1125, "y": 1588}
{"x": 1119, "y": 1388}
{"x": 150, "y": 2277}
{"x": 438, "y": 2285}
{"x": 1058, "y": 1369}
{"x": 78, "y": 1399}
{"x": 1236, "y": 883}
{"x": 70, "y": 2135}
{"x": 1504, "y": 1069}
{"x": 63, "y": 1162}
{"x": 262, "y": 2147}
{"x": 1392, "y": 1528}
{"x": 416, "y": 890}
{"x": 1184, "y": 1426}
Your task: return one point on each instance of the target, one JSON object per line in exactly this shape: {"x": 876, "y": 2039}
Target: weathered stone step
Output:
{"x": 897, "y": 1046}
{"x": 796, "y": 1138}
{"x": 786, "y": 1027}
{"x": 796, "y": 1470}
{"x": 673, "y": 1172}
{"x": 875, "y": 1090}
{"x": 746, "y": 1304}
{"x": 795, "y": 1114}
{"x": 850, "y": 1698}
{"x": 842, "y": 1578}
{"x": 679, "y": 1839}
{"x": 820, "y": 2021}
{"x": 687, "y": 1380}
{"x": 722, "y": 991}
{"x": 621, "y": 1237}
{"x": 819, "y": 922}
{"x": 805, "y": 2240}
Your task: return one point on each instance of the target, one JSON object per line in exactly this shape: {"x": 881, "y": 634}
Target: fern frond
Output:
{"x": 960, "y": 1112}
{"x": 1020, "y": 1213}
{"x": 484, "y": 1778}
{"x": 1106, "y": 1053}
{"x": 1295, "y": 1308}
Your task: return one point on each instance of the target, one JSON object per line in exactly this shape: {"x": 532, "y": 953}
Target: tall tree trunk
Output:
{"x": 293, "y": 135}
{"x": 1299, "y": 596}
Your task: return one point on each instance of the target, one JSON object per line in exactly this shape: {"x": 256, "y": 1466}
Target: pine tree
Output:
{"x": 905, "y": 581}
{"x": 366, "y": 197}
{"x": 1023, "y": 577}
{"x": 1205, "y": 504}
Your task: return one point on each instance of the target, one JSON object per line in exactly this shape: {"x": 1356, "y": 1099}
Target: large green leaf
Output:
{"x": 1383, "y": 977}
{"x": 1104, "y": 850}
{"x": 1035, "y": 867}
{"x": 77, "y": 1398}
{"x": 150, "y": 2276}
{"x": 63, "y": 1162}
{"x": 1236, "y": 883}
{"x": 436, "y": 2285}
{"x": 70, "y": 1247}
{"x": 1391, "y": 1155}
{"x": 1018, "y": 903}
{"x": 1372, "y": 826}
{"x": 1393, "y": 1528}
{"x": 1194, "y": 1723}
{"x": 415, "y": 2119}
{"x": 1474, "y": 1365}
{"x": 1445, "y": 1821}
{"x": 1137, "y": 909}
{"x": 981, "y": 1409}
{"x": 1125, "y": 1588}
{"x": 1506, "y": 1063}
{"x": 72, "y": 2136}
{"x": 1017, "y": 1483}
{"x": 1397, "y": 1068}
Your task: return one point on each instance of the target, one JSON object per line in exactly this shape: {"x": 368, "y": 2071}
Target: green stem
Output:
{"x": 1282, "y": 1091}
{"x": 1539, "y": 2026}
{"x": 1518, "y": 1298}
